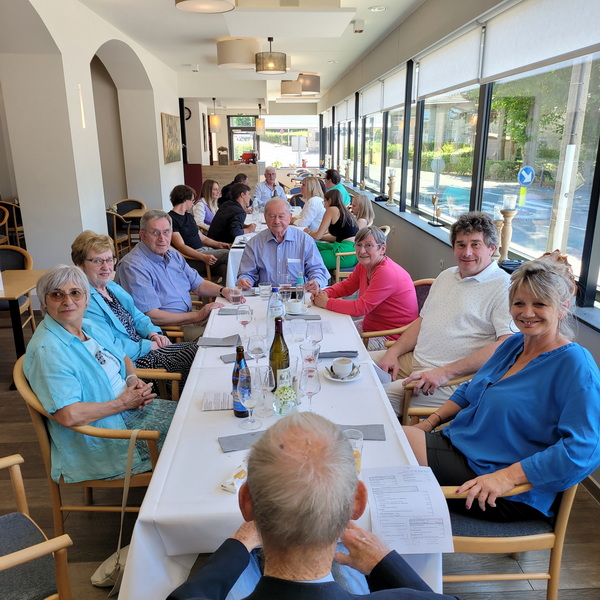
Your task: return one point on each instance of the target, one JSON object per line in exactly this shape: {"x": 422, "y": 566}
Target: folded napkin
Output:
{"x": 304, "y": 316}
{"x": 227, "y": 311}
{"x": 251, "y": 292}
{"x": 228, "y": 358}
{"x": 339, "y": 354}
{"x": 241, "y": 441}
{"x": 209, "y": 342}
{"x": 370, "y": 432}
{"x": 234, "y": 482}
{"x": 384, "y": 377}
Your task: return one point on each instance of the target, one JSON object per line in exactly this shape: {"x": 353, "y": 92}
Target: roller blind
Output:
{"x": 327, "y": 118}
{"x": 539, "y": 31}
{"x": 393, "y": 89}
{"x": 371, "y": 99}
{"x": 453, "y": 65}
{"x": 341, "y": 111}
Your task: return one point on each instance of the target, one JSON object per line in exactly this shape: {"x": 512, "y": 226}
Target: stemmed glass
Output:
{"x": 266, "y": 379}
{"x": 256, "y": 347}
{"x": 314, "y": 332}
{"x": 248, "y": 398}
{"x": 310, "y": 384}
{"x": 244, "y": 316}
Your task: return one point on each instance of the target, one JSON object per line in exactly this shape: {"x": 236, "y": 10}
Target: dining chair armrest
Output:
{"x": 453, "y": 381}
{"x": 115, "y": 434}
{"x": 345, "y": 253}
{"x": 174, "y": 334}
{"x": 36, "y": 551}
{"x": 450, "y": 491}
{"x": 162, "y": 375}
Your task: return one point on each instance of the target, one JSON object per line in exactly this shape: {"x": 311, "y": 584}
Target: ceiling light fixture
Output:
{"x": 359, "y": 25}
{"x": 237, "y": 54}
{"x": 259, "y": 124}
{"x": 214, "y": 120}
{"x": 205, "y": 6}
{"x": 270, "y": 63}
{"x": 378, "y": 8}
{"x": 291, "y": 87}
{"x": 311, "y": 83}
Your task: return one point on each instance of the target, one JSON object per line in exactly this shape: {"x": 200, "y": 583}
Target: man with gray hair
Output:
{"x": 160, "y": 281}
{"x": 300, "y": 496}
{"x": 464, "y": 319}
{"x": 269, "y": 188}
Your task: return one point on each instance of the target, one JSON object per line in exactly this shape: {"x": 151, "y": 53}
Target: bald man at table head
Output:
{"x": 301, "y": 494}
{"x": 280, "y": 252}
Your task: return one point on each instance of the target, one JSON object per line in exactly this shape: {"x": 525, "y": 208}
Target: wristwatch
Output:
{"x": 221, "y": 293}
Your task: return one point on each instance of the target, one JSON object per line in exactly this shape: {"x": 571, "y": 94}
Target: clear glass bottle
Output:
{"x": 275, "y": 308}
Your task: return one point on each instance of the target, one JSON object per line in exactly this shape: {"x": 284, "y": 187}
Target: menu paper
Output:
{"x": 408, "y": 509}
{"x": 217, "y": 401}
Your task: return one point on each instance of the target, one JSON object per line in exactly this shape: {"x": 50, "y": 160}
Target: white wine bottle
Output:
{"x": 279, "y": 357}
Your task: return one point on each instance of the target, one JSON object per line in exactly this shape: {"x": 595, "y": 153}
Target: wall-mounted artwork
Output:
{"x": 171, "y": 138}
{"x": 205, "y": 132}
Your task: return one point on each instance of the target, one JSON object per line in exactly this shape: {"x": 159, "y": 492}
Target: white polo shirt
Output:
{"x": 461, "y": 316}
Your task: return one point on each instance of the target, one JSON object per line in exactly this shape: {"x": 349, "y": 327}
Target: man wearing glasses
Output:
{"x": 160, "y": 280}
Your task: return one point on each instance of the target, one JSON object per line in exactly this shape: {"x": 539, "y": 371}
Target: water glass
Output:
{"x": 257, "y": 347}
{"x": 310, "y": 384}
{"x": 235, "y": 293}
{"x": 266, "y": 383}
{"x": 310, "y": 354}
{"x": 298, "y": 329}
{"x": 264, "y": 289}
{"x": 314, "y": 332}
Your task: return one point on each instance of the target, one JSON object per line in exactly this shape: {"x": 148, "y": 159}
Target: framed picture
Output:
{"x": 171, "y": 138}
{"x": 205, "y": 132}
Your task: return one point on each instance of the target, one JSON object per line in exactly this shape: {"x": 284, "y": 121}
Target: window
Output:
{"x": 394, "y": 148}
{"x": 449, "y": 124}
{"x": 372, "y": 161}
{"x": 548, "y": 120}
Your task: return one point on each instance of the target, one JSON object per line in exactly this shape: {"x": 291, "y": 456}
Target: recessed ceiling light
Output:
{"x": 377, "y": 8}
{"x": 333, "y": 62}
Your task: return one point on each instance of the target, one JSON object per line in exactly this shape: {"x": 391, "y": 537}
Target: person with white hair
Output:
{"x": 269, "y": 188}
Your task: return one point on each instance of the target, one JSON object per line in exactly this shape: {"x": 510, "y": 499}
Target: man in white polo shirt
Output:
{"x": 464, "y": 319}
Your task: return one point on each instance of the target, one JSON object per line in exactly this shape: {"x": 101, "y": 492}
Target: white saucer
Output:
{"x": 347, "y": 380}
{"x": 297, "y": 314}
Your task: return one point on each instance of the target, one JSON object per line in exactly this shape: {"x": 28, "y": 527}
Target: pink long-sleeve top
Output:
{"x": 387, "y": 301}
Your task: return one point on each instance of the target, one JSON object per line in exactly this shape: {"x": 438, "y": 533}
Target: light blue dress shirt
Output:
{"x": 265, "y": 260}
{"x": 263, "y": 193}
{"x": 155, "y": 281}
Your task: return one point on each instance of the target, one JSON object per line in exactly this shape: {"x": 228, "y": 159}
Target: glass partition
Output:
{"x": 372, "y": 163}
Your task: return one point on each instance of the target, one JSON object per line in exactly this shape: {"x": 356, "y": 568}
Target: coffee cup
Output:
{"x": 342, "y": 367}
{"x": 294, "y": 307}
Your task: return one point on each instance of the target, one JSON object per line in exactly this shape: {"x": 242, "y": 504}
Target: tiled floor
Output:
{"x": 95, "y": 534}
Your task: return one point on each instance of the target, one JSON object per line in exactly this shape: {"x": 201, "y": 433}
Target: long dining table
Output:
{"x": 186, "y": 512}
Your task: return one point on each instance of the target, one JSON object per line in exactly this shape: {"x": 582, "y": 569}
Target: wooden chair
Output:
{"x": 15, "y": 258}
{"x": 39, "y": 416}
{"x": 422, "y": 287}
{"x": 345, "y": 272}
{"x": 123, "y": 207}
{"x": 31, "y": 565}
{"x": 119, "y": 231}
{"x": 296, "y": 200}
{"x": 15, "y": 231}
{"x": 4, "y": 214}
{"x": 475, "y": 536}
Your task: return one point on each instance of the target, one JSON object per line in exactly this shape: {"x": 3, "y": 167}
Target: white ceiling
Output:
{"x": 317, "y": 35}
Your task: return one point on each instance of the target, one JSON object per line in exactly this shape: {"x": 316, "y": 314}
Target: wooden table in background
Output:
{"x": 136, "y": 213}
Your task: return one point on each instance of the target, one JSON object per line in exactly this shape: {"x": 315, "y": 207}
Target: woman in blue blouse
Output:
{"x": 530, "y": 414}
{"x": 112, "y": 307}
{"x": 81, "y": 377}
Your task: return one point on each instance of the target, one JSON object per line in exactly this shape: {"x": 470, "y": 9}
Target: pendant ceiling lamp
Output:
{"x": 237, "y": 54}
{"x": 311, "y": 83}
{"x": 205, "y": 6}
{"x": 259, "y": 123}
{"x": 291, "y": 88}
{"x": 214, "y": 120}
{"x": 270, "y": 63}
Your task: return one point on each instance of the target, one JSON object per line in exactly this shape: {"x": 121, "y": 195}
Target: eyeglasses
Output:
{"x": 100, "y": 261}
{"x": 157, "y": 233}
{"x": 367, "y": 247}
{"x": 59, "y": 295}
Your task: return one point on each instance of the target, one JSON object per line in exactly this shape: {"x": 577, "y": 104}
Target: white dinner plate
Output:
{"x": 328, "y": 376}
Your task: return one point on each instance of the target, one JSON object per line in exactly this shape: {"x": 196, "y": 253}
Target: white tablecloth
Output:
{"x": 185, "y": 512}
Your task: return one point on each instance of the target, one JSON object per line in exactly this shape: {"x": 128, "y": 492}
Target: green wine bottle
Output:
{"x": 279, "y": 357}
{"x": 240, "y": 363}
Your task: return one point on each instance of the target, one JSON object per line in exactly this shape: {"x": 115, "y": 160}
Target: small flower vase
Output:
{"x": 285, "y": 401}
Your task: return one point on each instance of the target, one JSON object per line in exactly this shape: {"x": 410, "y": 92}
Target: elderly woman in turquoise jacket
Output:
{"x": 82, "y": 377}
{"x": 111, "y": 306}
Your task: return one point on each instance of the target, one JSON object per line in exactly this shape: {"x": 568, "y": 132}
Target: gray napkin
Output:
{"x": 339, "y": 354}
{"x": 209, "y": 342}
{"x": 227, "y": 311}
{"x": 241, "y": 441}
{"x": 228, "y": 358}
{"x": 370, "y": 432}
{"x": 306, "y": 317}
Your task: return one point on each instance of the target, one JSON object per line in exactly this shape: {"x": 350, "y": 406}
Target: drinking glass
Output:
{"x": 298, "y": 327}
{"x": 310, "y": 384}
{"x": 248, "y": 398}
{"x": 264, "y": 289}
{"x": 355, "y": 437}
{"x": 256, "y": 347}
{"x": 267, "y": 383}
{"x": 244, "y": 316}
{"x": 310, "y": 354}
{"x": 314, "y": 332}
{"x": 235, "y": 293}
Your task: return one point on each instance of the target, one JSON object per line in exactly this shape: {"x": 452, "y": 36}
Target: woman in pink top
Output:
{"x": 386, "y": 294}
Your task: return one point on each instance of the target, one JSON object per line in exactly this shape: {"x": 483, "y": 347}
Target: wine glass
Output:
{"x": 267, "y": 383}
{"x": 248, "y": 398}
{"x": 256, "y": 347}
{"x": 314, "y": 332}
{"x": 310, "y": 384}
{"x": 244, "y": 316}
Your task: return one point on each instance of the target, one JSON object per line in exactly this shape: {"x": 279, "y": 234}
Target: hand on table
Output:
{"x": 203, "y": 313}
{"x": 250, "y": 228}
{"x": 366, "y": 549}
{"x": 312, "y": 287}
{"x": 245, "y": 284}
{"x": 320, "y": 299}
